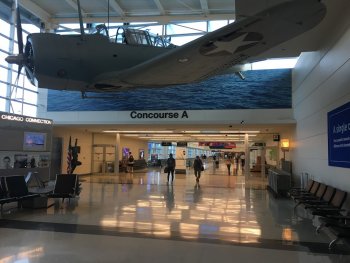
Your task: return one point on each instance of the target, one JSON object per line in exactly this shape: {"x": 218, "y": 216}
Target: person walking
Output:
{"x": 228, "y": 164}
{"x": 131, "y": 163}
{"x": 171, "y": 164}
{"x": 242, "y": 157}
{"x": 198, "y": 167}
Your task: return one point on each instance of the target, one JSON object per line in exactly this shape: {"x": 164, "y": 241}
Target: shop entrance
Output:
{"x": 103, "y": 159}
{"x": 262, "y": 158}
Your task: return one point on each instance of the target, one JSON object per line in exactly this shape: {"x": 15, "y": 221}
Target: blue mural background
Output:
{"x": 262, "y": 89}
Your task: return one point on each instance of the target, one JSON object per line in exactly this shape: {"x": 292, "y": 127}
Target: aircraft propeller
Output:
{"x": 25, "y": 54}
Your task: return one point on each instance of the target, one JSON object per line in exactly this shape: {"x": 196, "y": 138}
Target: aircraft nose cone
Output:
{"x": 17, "y": 59}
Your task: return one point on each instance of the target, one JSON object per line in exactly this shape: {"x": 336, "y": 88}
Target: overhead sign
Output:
{"x": 181, "y": 144}
{"x": 218, "y": 145}
{"x": 276, "y": 137}
{"x": 166, "y": 143}
{"x": 339, "y": 136}
{"x": 159, "y": 115}
{"x": 25, "y": 119}
{"x": 259, "y": 144}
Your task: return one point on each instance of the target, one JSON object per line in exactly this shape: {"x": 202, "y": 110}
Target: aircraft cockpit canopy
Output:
{"x": 132, "y": 36}
{"x": 100, "y": 29}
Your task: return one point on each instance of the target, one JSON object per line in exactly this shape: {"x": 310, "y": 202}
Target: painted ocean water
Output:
{"x": 262, "y": 89}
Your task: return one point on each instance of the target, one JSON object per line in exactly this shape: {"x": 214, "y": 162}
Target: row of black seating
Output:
{"x": 326, "y": 203}
{"x": 14, "y": 189}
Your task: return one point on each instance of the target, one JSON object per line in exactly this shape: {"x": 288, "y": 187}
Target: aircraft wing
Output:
{"x": 236, "y": 43}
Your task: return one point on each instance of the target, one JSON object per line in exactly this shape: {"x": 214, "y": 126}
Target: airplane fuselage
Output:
{"x": 92, "y": 62}
{"x": 72, "y": 61}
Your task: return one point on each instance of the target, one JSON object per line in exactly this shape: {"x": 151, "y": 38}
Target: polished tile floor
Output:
{"x": 137, "y": 217}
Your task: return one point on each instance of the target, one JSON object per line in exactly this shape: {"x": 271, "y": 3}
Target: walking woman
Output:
{"x": 198, "y": 167}
{"x": 228, "y": 164}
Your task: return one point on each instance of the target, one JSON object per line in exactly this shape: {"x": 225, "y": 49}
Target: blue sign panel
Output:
{"x": 339, "y": 136}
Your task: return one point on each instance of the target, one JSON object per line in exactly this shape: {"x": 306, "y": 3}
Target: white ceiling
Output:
{"x": 65, "y": 11}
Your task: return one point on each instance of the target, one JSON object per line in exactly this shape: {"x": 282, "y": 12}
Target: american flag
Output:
{"x": 69, "y": 157}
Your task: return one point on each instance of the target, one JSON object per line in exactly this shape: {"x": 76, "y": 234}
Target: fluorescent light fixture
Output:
{"x": 191, "y": 131}
{"x": 166, "y": 135}
{"x": 114, "y": 131}
{"x": 239, "y": 132}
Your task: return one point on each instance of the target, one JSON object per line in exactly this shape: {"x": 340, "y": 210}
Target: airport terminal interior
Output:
{"x": 175, "y": 131}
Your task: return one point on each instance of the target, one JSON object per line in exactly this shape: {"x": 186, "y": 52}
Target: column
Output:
{"x": 263, "y": 158}
{"x": 247, "y": 154}
{"x": 117, "y": 153}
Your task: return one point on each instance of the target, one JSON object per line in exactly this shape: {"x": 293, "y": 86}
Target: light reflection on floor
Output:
{"x": 236, "y": 210}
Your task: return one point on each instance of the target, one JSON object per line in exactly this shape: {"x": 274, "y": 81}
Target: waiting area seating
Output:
{"x": 15, "y": 189}
{"x": 326, "y": 203}
{"x": 66, "y": 186}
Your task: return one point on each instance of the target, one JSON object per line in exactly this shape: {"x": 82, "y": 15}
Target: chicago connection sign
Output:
{"x": 339, "y": 136}
{"x": 23, "y": 119}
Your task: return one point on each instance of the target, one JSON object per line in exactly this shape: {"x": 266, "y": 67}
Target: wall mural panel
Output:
{"x": 262, "y": 89}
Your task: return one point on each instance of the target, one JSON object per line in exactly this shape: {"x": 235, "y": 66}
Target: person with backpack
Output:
{"x": 171, "y": 163}
{"x": 131, "y": 162}
{"x": 198, "y": 168}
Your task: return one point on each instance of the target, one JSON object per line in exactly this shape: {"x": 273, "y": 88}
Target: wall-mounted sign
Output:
{"x": 259, "y": 144}
{"x": 166, "y": 143}
{"x": 181, "y": 144}
{"x": 19, "y": 118}
{"x": 159, "y": 115}
{"x": 276, "y": 137}
{"x": 339, "y": 136}
{"x": 218, "y": 145}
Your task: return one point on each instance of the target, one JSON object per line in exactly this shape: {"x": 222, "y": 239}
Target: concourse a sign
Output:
{"x": 339, "y": 136}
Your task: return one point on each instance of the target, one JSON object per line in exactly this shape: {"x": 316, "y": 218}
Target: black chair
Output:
{"x": 314, "y": 193}
{"x": 297, "y": 190}
{"x": 325, "y": 200}
{"x": 341, "y": 229}
{"x": 323, "y": 196}
{"x": 17, "y": 189}
{"x": 333, "y": 208}
{"x": 4, "y": 199}
{"x": 66, "y": 186}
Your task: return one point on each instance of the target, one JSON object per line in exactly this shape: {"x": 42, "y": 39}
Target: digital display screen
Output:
{"x": 34, "y": 141}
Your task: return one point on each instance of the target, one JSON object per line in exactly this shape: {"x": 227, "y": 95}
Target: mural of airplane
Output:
{"x": 135, "y": 58}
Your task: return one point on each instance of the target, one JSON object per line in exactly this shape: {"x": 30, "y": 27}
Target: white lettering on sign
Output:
{"x": 9, "y": 117}
{"x": 36, "y": 120}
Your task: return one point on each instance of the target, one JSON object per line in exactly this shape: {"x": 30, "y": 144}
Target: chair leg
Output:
{"x": 62, "y": 203}
{"x": 333, "y": 243}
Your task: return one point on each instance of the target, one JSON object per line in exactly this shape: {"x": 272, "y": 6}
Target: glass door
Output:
{"x": 103, "y": 159}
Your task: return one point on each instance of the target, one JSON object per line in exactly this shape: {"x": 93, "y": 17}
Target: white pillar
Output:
{"x": 247, "y": 154}
{"x": 11, "y": 47}
{"x": 117, "y": 152}
{"x": 263, "y": 158}
{"x": 181, "y": 157}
